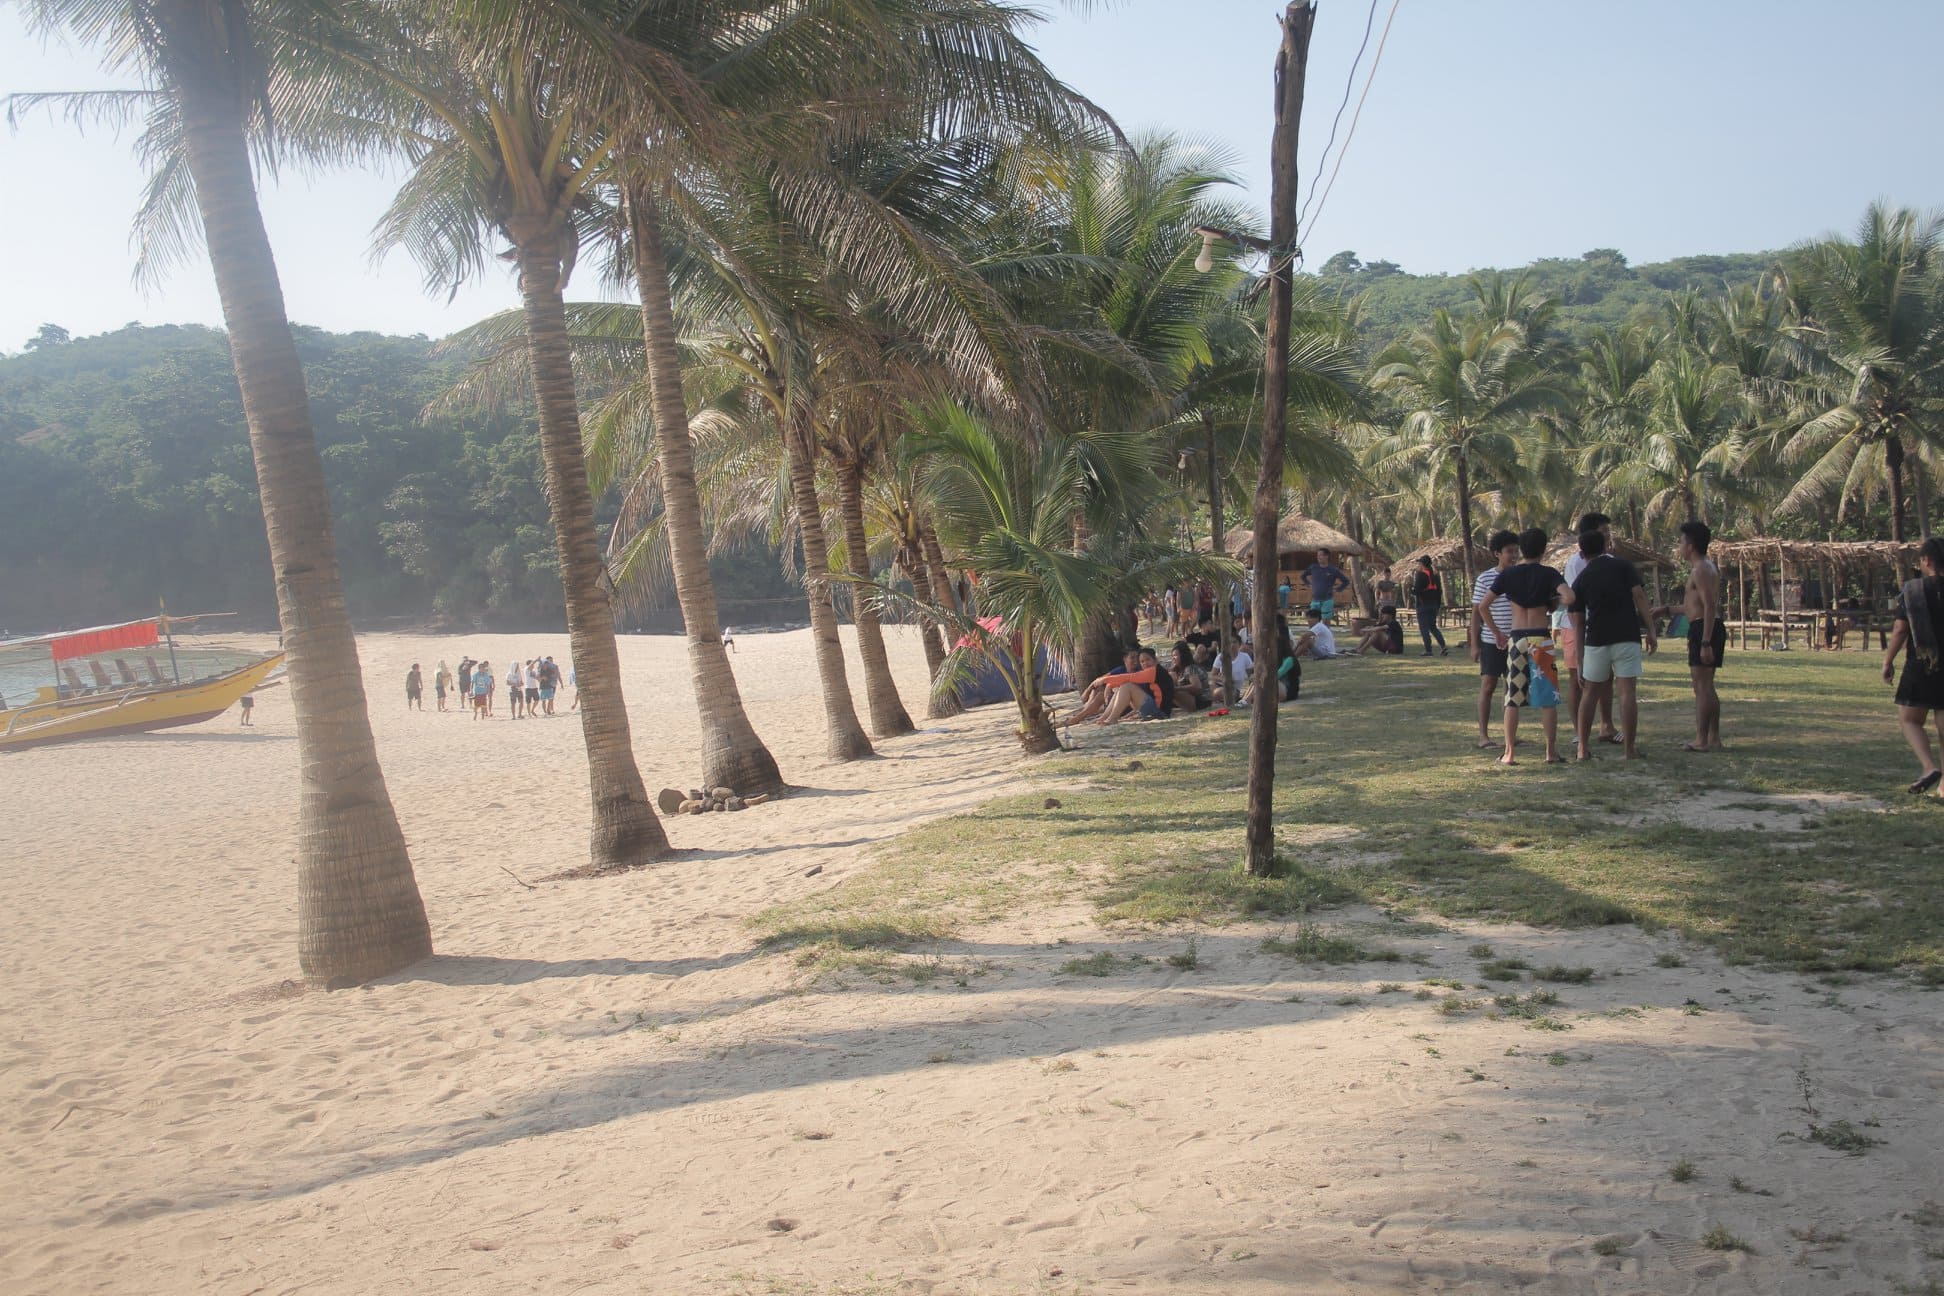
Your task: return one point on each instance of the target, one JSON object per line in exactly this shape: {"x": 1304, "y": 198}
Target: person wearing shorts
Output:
{"x": 1707, "y": 634}
{"x": 1611, "y": 614}
{"x": 532, "y": 686}
{"x": 1531, "y": 679}
{"x": 1491, "y": 635}
{"x": 482, "y": 690}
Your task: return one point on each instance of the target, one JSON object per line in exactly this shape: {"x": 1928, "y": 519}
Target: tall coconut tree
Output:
{"x": 214, "y": 81}
{"x": 1470, "y": 391}
{"x": 505, "y": 111}
{"x": 1875, "y": 317}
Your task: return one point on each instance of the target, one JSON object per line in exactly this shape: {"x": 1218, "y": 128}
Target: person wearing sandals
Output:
{"x": 1919, "y": 635}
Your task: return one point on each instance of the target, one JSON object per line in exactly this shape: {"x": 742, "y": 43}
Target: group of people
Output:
{"x": 1579, "y": 635}
{"x": 531, "y": 687}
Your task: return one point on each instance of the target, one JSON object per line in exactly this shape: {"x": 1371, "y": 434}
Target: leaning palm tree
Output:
{"x": 505, "y": 129}
{"x": 1471, "y": 391}
{"x": 1876, "y": 314}
{"x": 212, "y": 81}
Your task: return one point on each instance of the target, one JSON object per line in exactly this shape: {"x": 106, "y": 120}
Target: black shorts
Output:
{"x": 1491, "y": 659}
{"x": 533, "y": 694}
{"x": 1720, "y": 644}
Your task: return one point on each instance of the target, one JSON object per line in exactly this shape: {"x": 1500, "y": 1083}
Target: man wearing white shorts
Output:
{"x": 1610, "y": 613}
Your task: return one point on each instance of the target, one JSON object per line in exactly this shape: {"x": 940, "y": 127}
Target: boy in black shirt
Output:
{"x": 1427, "y": 594}
{"x": 1610, "y": 612}
{"x": 1531, "y": 678}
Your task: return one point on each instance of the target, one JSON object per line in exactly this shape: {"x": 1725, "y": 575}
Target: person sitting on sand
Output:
{"x": 1148, "y": 693}
{"x": 1190, "y": 679}
{"x": 1218, "y": 674}
{"x": 1289, "y": 667}
{"x": 1386, "y": 638}
{"x": 1094, "y": 698}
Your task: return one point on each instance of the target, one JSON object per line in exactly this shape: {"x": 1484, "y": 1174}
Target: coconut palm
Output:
{"x": 1004, "y": 509}
{"x": 1875, "y": 314}
{"x": 213, "y": 84}
{"x": 1683, "y": 457}
{"x": 1471, "y": 392}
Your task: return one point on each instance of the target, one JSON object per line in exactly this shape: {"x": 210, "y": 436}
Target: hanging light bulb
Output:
{"x": 1206, "y": 261}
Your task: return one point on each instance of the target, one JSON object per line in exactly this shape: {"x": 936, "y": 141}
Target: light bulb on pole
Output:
{"x": 1206, "y": 261}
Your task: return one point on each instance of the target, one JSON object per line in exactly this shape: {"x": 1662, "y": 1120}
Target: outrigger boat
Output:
{"x": 130, "y": 700}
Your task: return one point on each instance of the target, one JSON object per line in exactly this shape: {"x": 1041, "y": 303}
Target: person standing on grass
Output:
{"x": 1325, "y": 580}
{"x": 1610, "y": 613}
{"x": 1707, "y": 634}
{"x": 1427, "y": 596}
{"x": 1531, "y": 679}
{"x": 414, "y": 688}
{"x": 1568, "y": 636}
{"x": 1386, "y": 593}
{"x": 1490, "y": 636}
{"x": 1919, "y": 634}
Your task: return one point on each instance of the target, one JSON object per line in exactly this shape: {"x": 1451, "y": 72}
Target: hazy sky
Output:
{"x": 1497, "y": 131}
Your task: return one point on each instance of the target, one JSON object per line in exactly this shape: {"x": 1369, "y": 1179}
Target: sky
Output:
{"x": 1495, "y": 132}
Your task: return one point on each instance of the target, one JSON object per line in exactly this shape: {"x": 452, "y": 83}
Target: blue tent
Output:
{"x": 988, "y": 684}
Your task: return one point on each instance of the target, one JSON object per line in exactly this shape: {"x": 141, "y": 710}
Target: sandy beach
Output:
{"x": 610, "y": 1086}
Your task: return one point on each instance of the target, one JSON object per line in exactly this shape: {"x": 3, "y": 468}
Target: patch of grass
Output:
{"x": 1683, "y": 1171}
{"x": 1669, "y": 961}
{"x": 1188, "y": 960}
{"x": 1607, "y": 1246}
{"x": 1740, "y": 1185}
{"x": 1841, "y": 1136}
{"x": 1503, "y": 969}
{"x": 1814, "y": 1236}
{"x": 1557, "y": 1059}
{"x": 1449, "y": 983}
{"x": 1547, "y": 1024}
{"x": 1719, "y": 1238}
{"x": 1102, "y": 963}
{"x": 1481, "y": 951}
{"x": 1348, "y": 1001}
{"x": 1529, "y": 1007}
{"x": 1312, "y": 944}
{"x": 1566, "y": 975}
{"x": 1390, "y": 987}
{"x": 1454, "y": 1006}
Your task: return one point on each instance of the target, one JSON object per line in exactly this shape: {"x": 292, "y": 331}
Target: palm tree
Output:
{"x": 1005, "y": 508}
{"x": 1686, "y": 450}
{"x": 507, "y": 130}
{"x": 359, "y": 910}
{"x": 1875, "y": 310}
{"x": 1471, "y": 392}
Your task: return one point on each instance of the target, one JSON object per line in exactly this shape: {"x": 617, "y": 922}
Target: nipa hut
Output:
{"x": 1872, "y": 566}
{"x": 1299, "y": 540}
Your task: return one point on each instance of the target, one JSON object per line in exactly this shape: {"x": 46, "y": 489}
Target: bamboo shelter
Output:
{"x": 1876, "y": 564}
{"x": 1298, "y": 541}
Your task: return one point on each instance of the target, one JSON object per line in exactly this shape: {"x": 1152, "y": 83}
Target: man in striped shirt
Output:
{"x": 1488, "y": 645}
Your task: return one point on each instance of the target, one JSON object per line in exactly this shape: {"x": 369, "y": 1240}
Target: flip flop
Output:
{"x": 1612, "y": 740}
{"x": 1699, "y": 751}
{"x": 1926, "y": 783}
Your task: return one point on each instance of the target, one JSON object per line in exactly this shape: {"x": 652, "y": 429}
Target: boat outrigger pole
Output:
{"x": 162, "y": 606}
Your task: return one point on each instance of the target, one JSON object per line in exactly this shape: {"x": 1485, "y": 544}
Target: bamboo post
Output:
{"x": 1741, "y": 608}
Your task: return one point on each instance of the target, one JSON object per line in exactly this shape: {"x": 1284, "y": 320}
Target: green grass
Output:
{"x": 1103, "y": 963}
{"x": 1381, "y": 799}
{"x": 1313, "y": 945}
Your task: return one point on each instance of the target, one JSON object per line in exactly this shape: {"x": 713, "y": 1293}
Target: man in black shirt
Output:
{"x": 1610, "y": 612}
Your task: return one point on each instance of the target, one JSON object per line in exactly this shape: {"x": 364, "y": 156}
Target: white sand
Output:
{"x": 603, "y": 1086}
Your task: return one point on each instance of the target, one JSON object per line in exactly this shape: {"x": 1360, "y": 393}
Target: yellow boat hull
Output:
{"x": 130, "y": 710}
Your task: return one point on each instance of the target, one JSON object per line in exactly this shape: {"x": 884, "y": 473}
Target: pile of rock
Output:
{"x": 705, "y": 800}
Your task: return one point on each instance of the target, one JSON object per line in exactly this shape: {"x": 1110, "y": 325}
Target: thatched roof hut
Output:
{"x": 1565, "y": 545}
{"x": 1296, "y": 535}
{"x": 1883, "y": 555}
{"x": 1447, "y": 554}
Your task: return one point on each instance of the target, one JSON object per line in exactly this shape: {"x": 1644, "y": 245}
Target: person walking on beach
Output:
{"x": 532, "y": 686}
{"x": 248, "y": 704}
{"x": 1325, "y": 580}
{"x": 1919, "y": 635}
{"x": 482, "y": 690}
{"x": 514, "y": 685}
{"x": 1427, "y": 596}
{"x": 1531, "y": 676}
{"x": 465, "y": 677}
{"x": 414, "y": 688}
{"x": 1610, "y": 613}
{"x": 1490, "y": 634}
{"x": 549, "y": 684}
{"x": 1707, "y": 634}
{"x": 442, "y": 683}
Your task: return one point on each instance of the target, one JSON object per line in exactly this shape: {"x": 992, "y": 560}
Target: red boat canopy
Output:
{"x": 86, "y": 643}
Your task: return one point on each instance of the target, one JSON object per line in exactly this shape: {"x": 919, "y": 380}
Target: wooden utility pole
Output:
{"x": 1225, "y": 618}
{"x": 1291, "y": 62}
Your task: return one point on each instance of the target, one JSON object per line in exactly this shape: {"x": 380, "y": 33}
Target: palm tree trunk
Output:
{"x": 359, "y": 914}
{"x": 846, "y": 735}
{"x": 1465, "y": 518}
{"x": 1893, "y": 459}
{"x": 888, "y": 716}
{"x": 1921, "y": 481}
{"x": 1036, "y": 733}
{"x": 732, "y": 755}
{"x": 625, "y": 829}
{"x": 946, "y": 597}
{"x": 937, "y": 706}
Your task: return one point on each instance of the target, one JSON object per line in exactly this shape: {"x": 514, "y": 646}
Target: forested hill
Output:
{"x": 125, "y": 476}
{"x": 1597, "y": 289}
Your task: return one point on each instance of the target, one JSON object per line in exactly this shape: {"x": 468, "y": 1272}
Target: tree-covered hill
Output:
{"x": 125, "y": 476}
{"x": 1599, "y": 289}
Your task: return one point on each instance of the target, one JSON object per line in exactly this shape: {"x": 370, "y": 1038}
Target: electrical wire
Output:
{"x": 1376, "y": 59}
{"x": 1349, "y": 84}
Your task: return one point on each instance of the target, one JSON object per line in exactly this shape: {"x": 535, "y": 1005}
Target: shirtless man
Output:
{"x": 1707, "y": 635}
